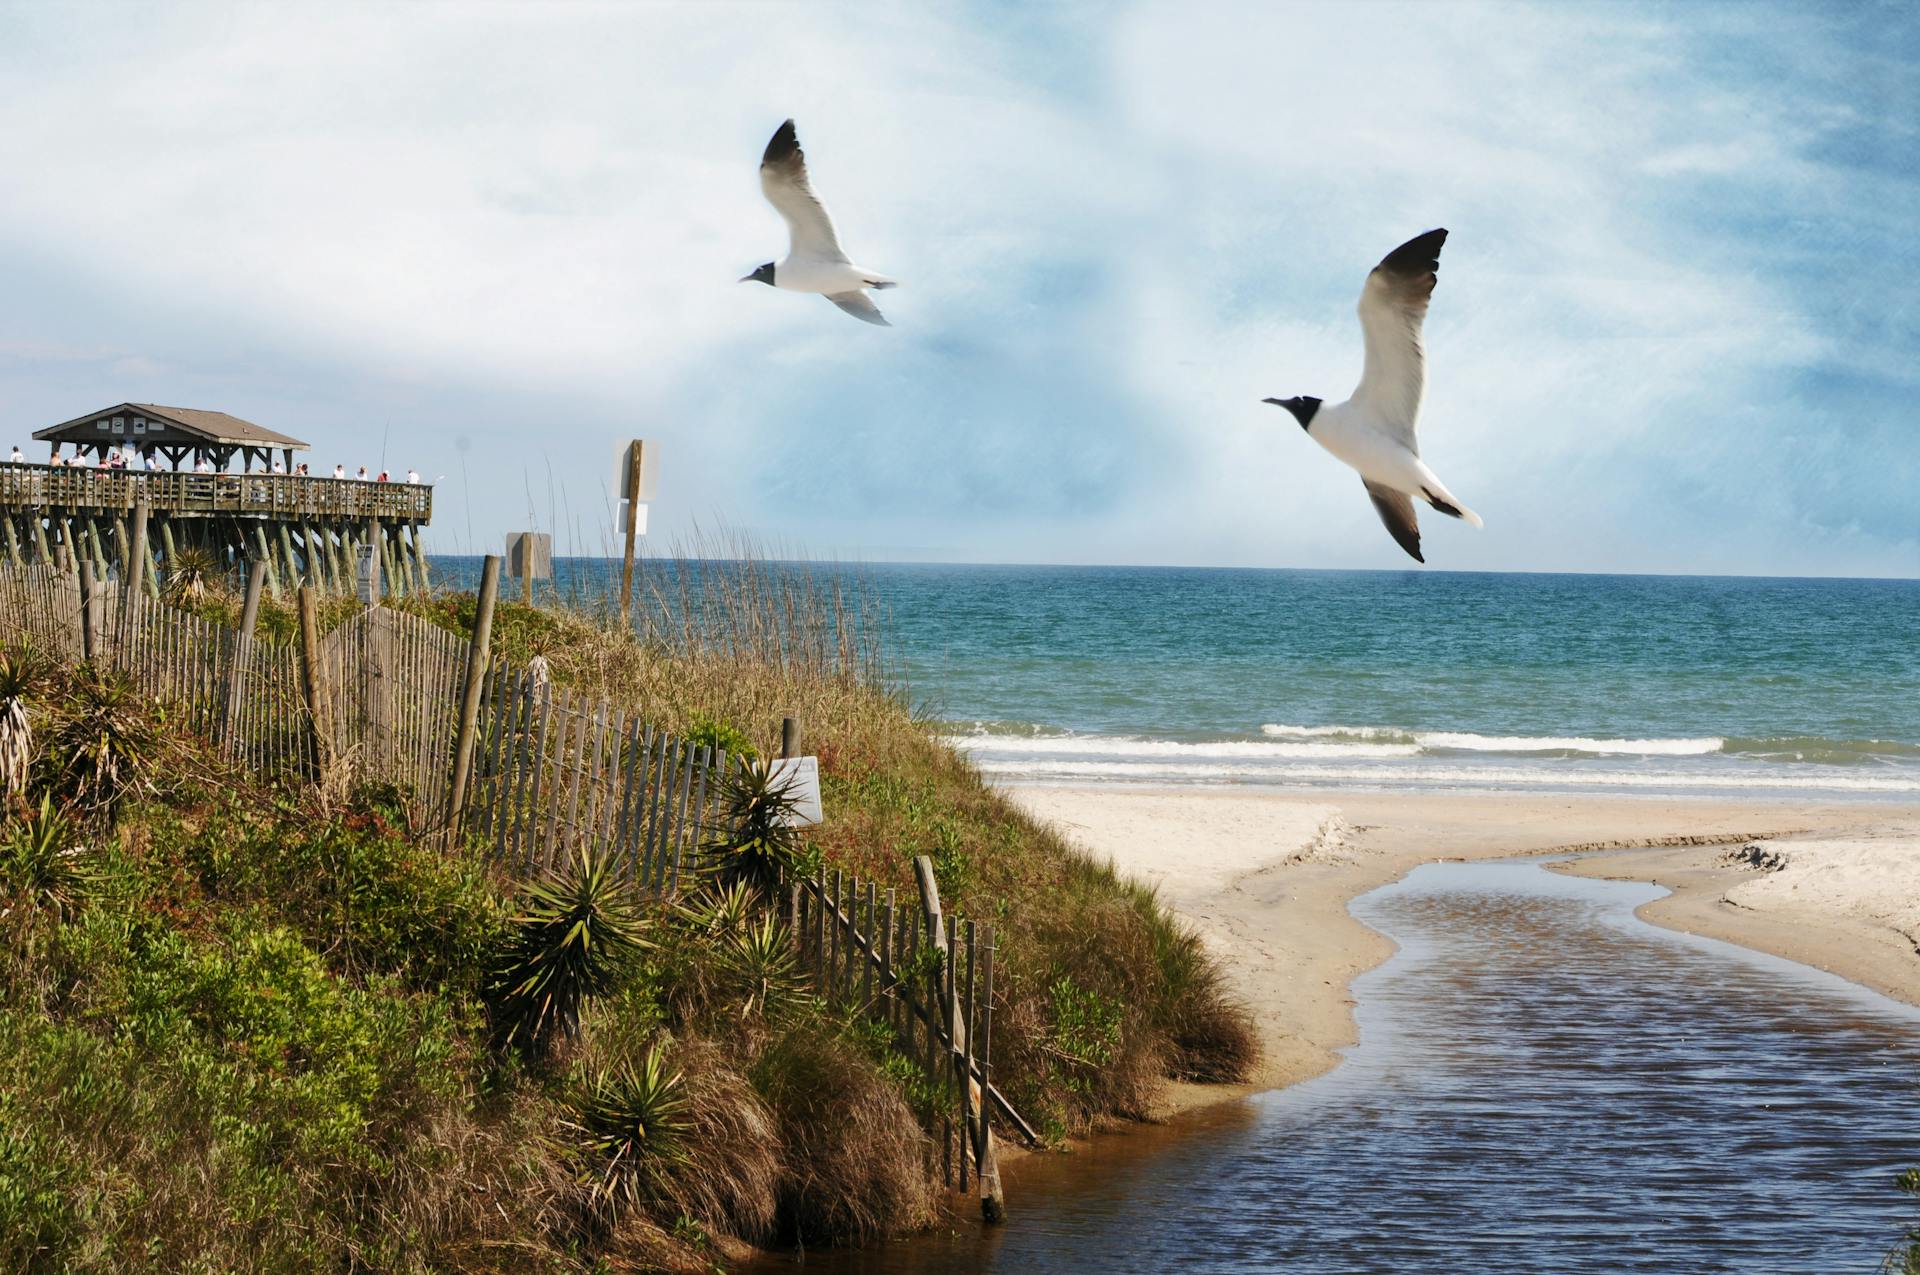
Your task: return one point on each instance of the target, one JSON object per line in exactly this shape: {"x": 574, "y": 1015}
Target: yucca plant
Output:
{"x": 754, "y": 840}
{"x": 631, "y": 1123}
{"x": 103, "y": 744}
{"x": 16, "y": 730}
{"x": 42, "y": 863}
{"x": 719, "y": 910}
{"x": 190, "y": 572}
{"x": 760, "y": 963}
{"x": 575, "y": 935}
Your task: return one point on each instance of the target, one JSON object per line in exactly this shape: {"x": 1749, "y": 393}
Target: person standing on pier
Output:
{"x": 413, "y": 475}
{"x": 18, "y": 457}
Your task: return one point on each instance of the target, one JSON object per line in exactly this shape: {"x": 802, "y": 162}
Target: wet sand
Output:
{"x": 1266, "y": 878}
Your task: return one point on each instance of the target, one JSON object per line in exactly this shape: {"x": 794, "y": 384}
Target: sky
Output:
{"x": 1675, "y": 330}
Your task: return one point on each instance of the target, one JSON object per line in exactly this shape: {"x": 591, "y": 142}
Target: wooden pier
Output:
{"x": 196, "y": 517}
{"x": 307, "y": 530}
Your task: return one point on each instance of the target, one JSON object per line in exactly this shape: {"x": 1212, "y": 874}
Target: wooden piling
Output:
{"x": 313, "y": 683}
{"x": 90, "y": 639}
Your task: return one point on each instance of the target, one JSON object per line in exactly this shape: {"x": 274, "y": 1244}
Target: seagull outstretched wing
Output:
{"x": 1393, "y": 306}
{"x": 783, "y": 179}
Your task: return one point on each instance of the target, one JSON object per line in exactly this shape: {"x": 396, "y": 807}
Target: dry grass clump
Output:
{"x": 854, "y": 1162}
{"x": 1208, "y": 1028}
{"x": 725, "y": 1172}
{"x": 720, "y": 635}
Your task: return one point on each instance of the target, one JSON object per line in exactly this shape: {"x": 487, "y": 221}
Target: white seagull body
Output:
{"x": 815, "y": 261}
{"x": 1374, "y": 430}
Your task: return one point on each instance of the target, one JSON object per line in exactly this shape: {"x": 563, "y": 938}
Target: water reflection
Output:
{"x": 1543, "y": 1083}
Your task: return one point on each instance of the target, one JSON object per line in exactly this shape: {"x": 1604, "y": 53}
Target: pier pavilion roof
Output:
{"x": 173, "y": 431}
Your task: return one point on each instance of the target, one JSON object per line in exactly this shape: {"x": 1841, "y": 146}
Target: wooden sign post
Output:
{"x": 636, "y": 472}
{"x": 529, "y": 558}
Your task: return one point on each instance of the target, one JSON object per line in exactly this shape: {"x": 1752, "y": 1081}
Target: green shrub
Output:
{"x": 1085, "y": 1031}
{"x": 357, "y": 886}
{"x": 761, "y": 969}
{"x": 721, "y": 736}
{"x": 223, "y": 1100}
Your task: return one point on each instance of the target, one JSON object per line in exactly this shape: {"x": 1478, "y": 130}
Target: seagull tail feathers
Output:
{"x": 1444, "y": 501}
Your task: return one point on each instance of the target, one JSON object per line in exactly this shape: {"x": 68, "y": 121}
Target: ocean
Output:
{"x": 1406, "y": 680}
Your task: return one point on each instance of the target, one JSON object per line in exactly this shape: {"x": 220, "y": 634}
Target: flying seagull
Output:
{"x": 815, "y": 262}
{"x": 1373, "y": 430}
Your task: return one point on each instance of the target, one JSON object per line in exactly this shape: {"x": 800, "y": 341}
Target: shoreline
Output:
{"x": 1266, "y": 877}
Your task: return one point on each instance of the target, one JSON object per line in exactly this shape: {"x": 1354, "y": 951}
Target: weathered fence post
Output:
{"x": 789, "y": 737}
{"x": 90, "y": 636}
{"x": 242, "y": 657}
{"x": 993, "y": 1200}
{"x": 313, "y": 682}
{"x": 477, "y": 662}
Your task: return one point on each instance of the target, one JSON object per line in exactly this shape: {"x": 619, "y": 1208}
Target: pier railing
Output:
{"x": 86, "y": 489}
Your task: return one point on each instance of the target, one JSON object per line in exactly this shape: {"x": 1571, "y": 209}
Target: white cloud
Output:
{"x": 519, "y": 226}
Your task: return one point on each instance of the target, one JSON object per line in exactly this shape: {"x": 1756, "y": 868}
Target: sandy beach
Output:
{"x": 1266, "y": 877}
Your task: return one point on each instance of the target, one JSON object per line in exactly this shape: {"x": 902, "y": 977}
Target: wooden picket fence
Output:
{"x": 40, "y": 605}
{"x": 392, "y": 688}
{"x": 557, "y": 772}
{"x": 929, "y": 977}
{"x": 381, "y": 695}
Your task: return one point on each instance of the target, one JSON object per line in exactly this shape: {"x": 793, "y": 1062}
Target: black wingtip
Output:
{"x": 1417, "y": 255}
{"x": 785, "y": 142}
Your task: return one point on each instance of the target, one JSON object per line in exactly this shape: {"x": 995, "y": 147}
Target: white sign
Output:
{"x": 801, "y": 777}
{"x": 639, "y": 518}
{"x": 363, "y": 569}
{"x": 623, "y": 456}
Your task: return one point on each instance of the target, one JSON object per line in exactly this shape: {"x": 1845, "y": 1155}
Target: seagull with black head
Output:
{"x": 1373, "y": 430}
{"x": 815, "y": 261}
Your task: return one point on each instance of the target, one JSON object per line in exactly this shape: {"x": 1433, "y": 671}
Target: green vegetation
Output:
{"x": 754, "y": 841}
{"x": 577, "y": 935}
{"x": 1905, "y": 1257}
{"x": 240, "y": 1029}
